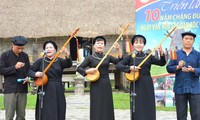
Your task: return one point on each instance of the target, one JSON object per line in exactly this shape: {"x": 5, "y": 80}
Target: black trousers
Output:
{"x": 182, "y": 101}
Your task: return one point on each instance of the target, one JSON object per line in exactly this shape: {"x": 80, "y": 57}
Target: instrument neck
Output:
{"x": 113, "y": 45}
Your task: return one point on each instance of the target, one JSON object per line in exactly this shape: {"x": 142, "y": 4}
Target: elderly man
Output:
{"x": 187, "y": 84}
{"x": 14, "y": 64}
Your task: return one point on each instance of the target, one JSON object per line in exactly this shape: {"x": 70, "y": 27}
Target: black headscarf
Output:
{"x": 52, "y": 42}
{"x": 99, "y": 38}
{"x": 135, "y": 37}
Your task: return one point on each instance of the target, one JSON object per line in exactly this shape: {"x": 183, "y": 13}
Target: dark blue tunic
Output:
{"x": 186, "y": 82}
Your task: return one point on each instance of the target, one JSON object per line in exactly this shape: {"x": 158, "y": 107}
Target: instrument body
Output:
{"x": 43, "y": 80}
{"x": 133, "y": 76}
{"x": 95, "y": 76}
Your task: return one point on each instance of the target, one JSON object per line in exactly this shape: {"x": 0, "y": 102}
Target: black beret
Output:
{"x": 52, "y": 42}
{"x": 188, "y": 33}
{"x": 99, "y": 38}
{"x": 19, "y": 40}
{"x": 137, "y": 36}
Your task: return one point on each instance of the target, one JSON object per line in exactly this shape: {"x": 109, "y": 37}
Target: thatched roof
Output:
{"x": 42, "y": 18}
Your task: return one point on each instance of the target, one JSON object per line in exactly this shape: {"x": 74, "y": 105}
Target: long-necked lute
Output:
{"x": 95, "y": 76}
{"x": 43, "y": 80}
{"x": 133, "y": 76}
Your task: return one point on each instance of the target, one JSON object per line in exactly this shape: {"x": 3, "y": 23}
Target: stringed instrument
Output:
{"x": 43, "y": 80}
{"x": 133, "y": 76}
{"x": 95, "y": 76}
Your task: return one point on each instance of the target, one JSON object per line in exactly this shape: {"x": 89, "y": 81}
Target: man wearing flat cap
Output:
{"x": 187, "y": 72}
{"x": 14, "y": 64}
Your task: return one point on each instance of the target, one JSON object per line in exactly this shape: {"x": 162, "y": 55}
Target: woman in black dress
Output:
{"x": 54, "y": 103}
{"x": 145, "y": 99}
{"x": 101, "y": 101}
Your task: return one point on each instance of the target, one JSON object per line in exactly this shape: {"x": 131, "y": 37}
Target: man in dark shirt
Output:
{"x": 14, "y": 64}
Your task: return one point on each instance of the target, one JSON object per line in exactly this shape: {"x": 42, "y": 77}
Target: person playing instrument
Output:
{"x": 144, "y": 89}
{"x": 187, "y": 72}
{"x": 54, "y": 103}
{"x": 101, "y": 101}
{"x": 14, "y": 65}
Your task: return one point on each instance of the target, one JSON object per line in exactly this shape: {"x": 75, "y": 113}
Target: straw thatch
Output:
{"x": 42, "y": 18}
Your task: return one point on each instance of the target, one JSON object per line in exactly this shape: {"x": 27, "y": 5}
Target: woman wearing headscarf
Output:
{"x": 54, "y": 103}
{"x": 101, "y": 101}
{"x": 144, "y": 89}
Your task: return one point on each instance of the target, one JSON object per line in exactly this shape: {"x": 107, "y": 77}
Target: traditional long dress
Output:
{"x": 144, "y": 89}
{"x": 54, "y": 103}
{"x": 101, "y": 101}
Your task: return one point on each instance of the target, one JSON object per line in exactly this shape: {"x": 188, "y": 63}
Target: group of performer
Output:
{"x": 14, "y": 64}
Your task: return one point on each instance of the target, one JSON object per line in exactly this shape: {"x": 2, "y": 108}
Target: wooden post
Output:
{"x": 35, "y": 51}
{"x": 79, "y": 86}
{"x": 1, "y": 83}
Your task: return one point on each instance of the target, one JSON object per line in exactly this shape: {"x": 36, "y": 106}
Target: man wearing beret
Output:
{"x": 187, "y": 84}
{"x": 14, "y": 64}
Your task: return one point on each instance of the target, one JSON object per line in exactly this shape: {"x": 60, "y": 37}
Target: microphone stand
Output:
{"x": 41, "y": 93}
{"x": 132, "y": 93}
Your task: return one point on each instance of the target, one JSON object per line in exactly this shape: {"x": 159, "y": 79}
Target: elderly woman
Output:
{"x": 54, "y": 103}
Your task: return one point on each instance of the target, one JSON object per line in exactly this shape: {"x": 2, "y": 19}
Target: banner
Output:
{"x": 155, "y": 17}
